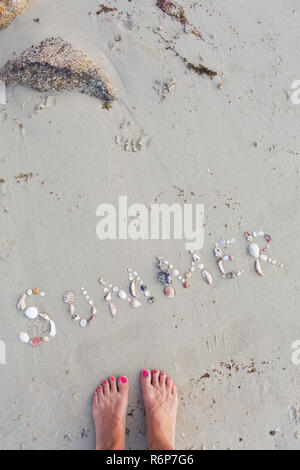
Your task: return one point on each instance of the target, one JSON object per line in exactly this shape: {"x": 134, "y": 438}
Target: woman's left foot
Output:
{"x": 109, "y": 412}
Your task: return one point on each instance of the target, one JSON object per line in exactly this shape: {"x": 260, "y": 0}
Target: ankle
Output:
{"x": 159, "y": 437}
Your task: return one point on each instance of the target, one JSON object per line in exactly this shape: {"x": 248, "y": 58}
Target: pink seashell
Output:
{"x": 268, "y": 238}
{"x": 36, "y": 341}
{"x": 69, "y": 297}
{"x": 248, "y": 236}
{"x": 258, "y": 268}
{"x": 169, "y": 292}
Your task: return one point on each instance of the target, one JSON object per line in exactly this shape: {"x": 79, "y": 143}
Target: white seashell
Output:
{"x": 29, "y": 292}
{"x": 53, "y": 328}
{"x": 132, "y": 288}
{"x": 44, "y": 316}
{"x": 221, "y": 267}
{"x": 69, "y": 297}
{"x": 46, "y": 339}
{"x": 222, "y": 242}
{"x": 207, "y": 277}
{"x": 196, "y": 257}
{"x": 84, "y": 292}
{"x": 134, "y": 303}
{"x": 263, "y": 258}
{"x": 147, "y": 293}
{"x": 106, "y": 289}
{"x": 87, "y": 297}
{"x": 169, "y": 292}
{"x": 72, "y": 309}
{"x": 200, "y": 266}
{"x": 217, "y": 251}
{"x": 260, "y": 233}
{"x": 274, "y": 261}
{"x": 108, "y": 297}
{"x": 83, "y": 323}
{"x": 254, "y": 234}
{"x": 42, "y": 294}
{"x": 254, "y": 250}
{"x": 24, "y": 337}
{"x": 226, "y": 258}
{"x": 233, "y": 240}
{"x": 258, "y": 268}
{"x": 122, "y": 294}
{"x": 115, "y": 289}
{"x": 22, "y": 304}
{"x": 192, "y": 269}
{"x": 94, "y": 310}
{"x": 175, "y": 272}
{"x": 113, "y": 309}
{"x": 91, "y": 302}
{"x": 31, "y": 313}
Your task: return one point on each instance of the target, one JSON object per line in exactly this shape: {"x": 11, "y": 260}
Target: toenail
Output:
{"x": 123, "y": 380}
{"x": 145, "y": 373}
{"x": 155, "y": 371}
{"x": 170, "y": 378}
{"x": 99, "y": 388}
{"x": 162, "y": 373}
{"x": 112, "y": 378}
{"x": 105, "y": 382}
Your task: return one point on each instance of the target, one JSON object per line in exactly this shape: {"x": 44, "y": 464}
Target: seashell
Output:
{"x": 254, "y": 250}
{"x": 53, "y": 328}
{"x": 9, "y": 9}
{"x": 108, "y": 297}
{"x": 231, "y": 275}
{"x": 263, "y": 257}
{"x": 258, "y": 268}
{"x": 101, "y": 281}
{"x": 22, "y": 304}
{"x": 122, "y": 294}
{"x": 36, "y": 341}
{"x": 248, "y": 236}
{"x": 186, "y": 284}
{"x": 268, "y": 238}
{"x": 159, "y": 264}
{"x": 36, "y": 291}
{"x": 44, "y": 316}
{"x": 83, "y": 323}
{"x": 113, "y": 309}
{"x": 164, "y": 277}
{"x": 75, "y": 317}
{"x": 42, "y": 294}
{"x": 207, "y": 277}
{"x": 69, "y": 297}
{"x": 72, "y": 309}
{"x": 94, "y": 311}
{"x": 55, "y": 65}
{"x": 221, "y": 267}
{"x": 217, "y": 252}
{"x": 260, "y": 233}
{"x": 196, "y": 257}
{"x": 151, "y": 300}
{"x": 175, "y": 272}
{"x": 46, "y": 339}
{"x": 188, "y": 275}
{"x": 29, "y": 292}
{"x": 24, "y": 337}
{"x": 169, "y": 292}
{"x": 31, "y": 313}
{"x": 200, "y": 266}
{"x": 225, "y": 258}
{"x": 92, "y": 320}
{"x": 132, "y": 288}
{"x": 134, "y": 303}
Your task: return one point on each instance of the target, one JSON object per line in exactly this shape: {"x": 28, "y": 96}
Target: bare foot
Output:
{"x": 161, "y": 402}
{"x": 109, "y": 412}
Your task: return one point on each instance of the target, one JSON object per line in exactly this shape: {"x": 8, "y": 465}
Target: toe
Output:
{"x": 146, "y": 379}
{"x": 113, "y": 385}
{"x": 95, "y": 401}
{"x": 123, "y": 385}
{"x": 106, "y": 387}
{"x": 100, "y": 393}
{"x": 174, "y": 391}
{"x": 155, "y": 375}
{"x": 162, "y": 379}
{"x": 169, "y": 384}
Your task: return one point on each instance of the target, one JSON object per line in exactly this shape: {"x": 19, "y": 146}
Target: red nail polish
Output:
{"x": 155, "y": 371}
{"x": 123, "y": 380}
{"x": 112, "y": 378}
{"x": 162, "y": 373}
{"x": 99, "y": 388}
{"x": 145, "y": 373}
{"x": 105, "y": 381}
{"x": 170, "y": 378}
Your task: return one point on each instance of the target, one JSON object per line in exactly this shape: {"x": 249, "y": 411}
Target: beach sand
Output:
{"x": 234, "y": 148}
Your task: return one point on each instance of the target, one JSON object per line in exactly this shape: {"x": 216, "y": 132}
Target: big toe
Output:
{"x": 146, "y": 379}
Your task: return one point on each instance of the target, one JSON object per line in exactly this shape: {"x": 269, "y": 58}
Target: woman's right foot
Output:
{"x": 161, "y": 403}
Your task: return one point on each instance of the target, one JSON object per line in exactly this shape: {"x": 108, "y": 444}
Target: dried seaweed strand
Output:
{"x": 199, "y": 69}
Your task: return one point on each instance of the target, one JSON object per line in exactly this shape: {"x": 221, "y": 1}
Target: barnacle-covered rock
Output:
{"x": 55, "y": 65}
{"x": 165, "y": 277}
{"x": 9, "y": 9}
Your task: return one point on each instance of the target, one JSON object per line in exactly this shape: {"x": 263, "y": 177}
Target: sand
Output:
{"x": 235, "y": 149}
